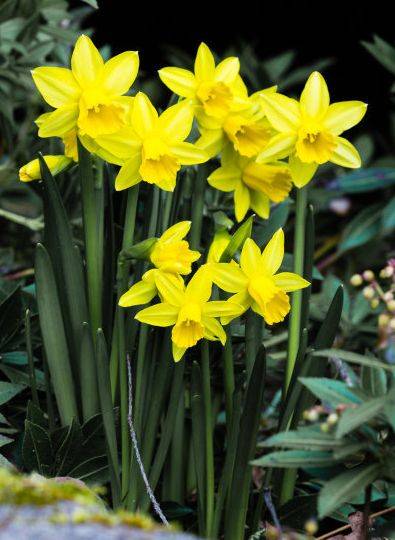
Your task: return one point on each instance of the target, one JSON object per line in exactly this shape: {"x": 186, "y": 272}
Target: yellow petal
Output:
{"x": 273, "y": 254}
{"x": 279, "y": 146}
{"x": 176, "y": 121}
{"x": 288, "y": 281}
{"x": 225, "y": 178}
{"x": 189, "y": 154}
{"x": 314, "y": 100}
{"x": 282, "y": 112}
{"x": 260, "y": 203}
{"x": 212, "y": 141}
{"x": 178, "y": 352}
{"x": 170, "y": 288}
{"x": 141, "y": 292}
{"x": 129, "y": 174}
{"x": 250, "y": 258}
{"x": 158, "y": 315}
{"x": 59, "y": 122}
{"x": 199, "y": 287}
{"x": 301, "y": 172}
{"x": 227, "y": 70}
{"x": 228, "y": 277}
{"x": 31, "y": 171}
{"x": 242, "y": 201}
{"x": 176, "y": 232}
{"x": 56, "y": 85}
{"x": 204, "y": 63}
{"x": 242, "y": 299}
{"x": 86, "y": 62}
{"x": 213, "y": 330}
{"x": 122, "y": 144}
{"x": 180, "y": 81}
{"x": 344, "y": 115}
{"x": 221, "y": 308}
{"x": 120, "y": 72}
{"x": 144, "y": 115}
{"x": 345, "y": 154}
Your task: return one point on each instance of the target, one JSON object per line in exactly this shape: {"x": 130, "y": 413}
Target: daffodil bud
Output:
{"x": 356, "y": 280}
{"x": 31, "y": 171}
{"x": 141, "y": 251}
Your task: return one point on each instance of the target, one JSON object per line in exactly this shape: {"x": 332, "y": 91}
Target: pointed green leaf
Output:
{"x": 54, "y": 336}
{"x": 344, "y": 486}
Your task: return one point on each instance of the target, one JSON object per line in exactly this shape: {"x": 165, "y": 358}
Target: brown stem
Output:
{"x": 346, "y": 527}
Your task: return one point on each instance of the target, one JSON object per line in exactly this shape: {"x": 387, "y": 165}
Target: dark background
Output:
{"x": 315, "y": 29}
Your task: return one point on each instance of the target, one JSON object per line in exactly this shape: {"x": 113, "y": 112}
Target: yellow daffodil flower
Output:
{"x": 170, "y": 255}
{"x": 31, "y": 171}
{"x": 153, "y": 147}
{"x": 189, "y": 311}
{"x": 253, "y": 184}
{"x": 309, "y": 130}
{"x": 246, "y": 129}
{"x": 255, "y": 282}
{"x": 210, "y": 87}
{"x": 88, "y": 98}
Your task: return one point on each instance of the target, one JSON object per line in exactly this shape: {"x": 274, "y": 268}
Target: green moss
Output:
{"x": 17, "y": 489}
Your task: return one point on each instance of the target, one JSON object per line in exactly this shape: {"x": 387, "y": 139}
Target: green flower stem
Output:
{"x": 289, "y": 476}
{"x": 208, "y": 423}
{"x": 93, "y": 232}
{"x": 251, "y": 341}
{"x": 197, "y": 208}
{"x": 229, "y": 378}
{"x": 119, "y": 334}
{"x": 177, "y": 468}
{"x": 298, "y": 268}
{"x": 141, "y": 374}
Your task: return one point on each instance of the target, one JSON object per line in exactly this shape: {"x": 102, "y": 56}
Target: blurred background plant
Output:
{"x": 354, "y": 230}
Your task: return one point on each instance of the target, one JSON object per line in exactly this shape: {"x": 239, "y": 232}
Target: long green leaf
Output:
{"x": 67, "y": 264}
{"x": 296, "y": 458}
{"x": 236, "y": 508}
{"x": 307, "y": 438}
{"x": 331, "y": 391}
{"x": 54, "y": 337}
{"x": 89, "y": 393}
{"x": 344, "y": 486}
{"x": 353, "y": 418}
{"x": 104, "y": 387}
{"x": 354, "y": 358}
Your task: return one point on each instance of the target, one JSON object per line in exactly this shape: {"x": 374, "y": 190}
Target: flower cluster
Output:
{"x": 254, "y": 283}
{"x": 266, "y": 141}
{"x": 380, "y": 291}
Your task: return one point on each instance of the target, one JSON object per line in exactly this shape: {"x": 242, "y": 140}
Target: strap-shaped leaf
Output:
{"x": 54, "y": 336}
{"x": 67, "y": 264}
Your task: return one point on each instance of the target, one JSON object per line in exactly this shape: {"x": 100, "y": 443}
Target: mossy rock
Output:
{"x": 36, "y": 508}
